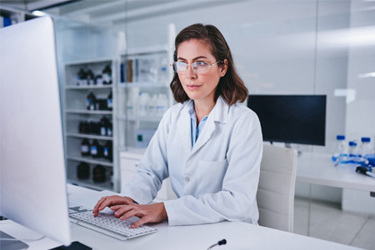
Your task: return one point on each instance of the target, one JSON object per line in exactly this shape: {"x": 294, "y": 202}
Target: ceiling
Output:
{"x": 112, "y": 12}
{"x": 109, "y": 12}
{"x": 30, "y": 5}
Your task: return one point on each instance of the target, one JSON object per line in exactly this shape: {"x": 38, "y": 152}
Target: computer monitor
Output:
{"x": 33, "y": 178}
{"x": 297, "y": 119}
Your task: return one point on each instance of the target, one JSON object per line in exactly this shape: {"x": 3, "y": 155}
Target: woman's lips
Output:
{"x": 192, "y": 86}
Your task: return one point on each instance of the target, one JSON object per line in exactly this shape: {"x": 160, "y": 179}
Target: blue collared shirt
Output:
{"x": 195, "y": 130}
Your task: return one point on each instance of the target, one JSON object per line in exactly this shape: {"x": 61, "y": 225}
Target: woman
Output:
{"x": 208, "y": 144}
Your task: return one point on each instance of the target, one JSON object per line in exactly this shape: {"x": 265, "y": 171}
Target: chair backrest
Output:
{"x": 275, "y": 194}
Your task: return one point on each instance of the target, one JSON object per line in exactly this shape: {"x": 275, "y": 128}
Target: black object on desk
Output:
{"x": 74, "y": 246}
{"x": 365, "y": 171}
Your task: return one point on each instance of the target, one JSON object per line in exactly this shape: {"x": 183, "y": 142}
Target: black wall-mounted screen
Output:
{"x": 297, "y": 119}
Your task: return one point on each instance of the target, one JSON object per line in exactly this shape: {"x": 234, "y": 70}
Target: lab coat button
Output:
{"x": 187, "y": 179}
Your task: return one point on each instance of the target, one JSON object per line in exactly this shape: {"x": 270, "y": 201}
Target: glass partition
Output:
{"x": 279, "y": 47}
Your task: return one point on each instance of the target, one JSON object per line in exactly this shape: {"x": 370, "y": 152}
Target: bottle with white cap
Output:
{"x": 143, "y": 100}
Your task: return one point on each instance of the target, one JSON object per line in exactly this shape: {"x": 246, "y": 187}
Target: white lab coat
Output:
{"x": 217, "y": 179}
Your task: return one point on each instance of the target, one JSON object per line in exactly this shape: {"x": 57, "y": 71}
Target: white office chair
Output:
{"x": 275, "y": 194}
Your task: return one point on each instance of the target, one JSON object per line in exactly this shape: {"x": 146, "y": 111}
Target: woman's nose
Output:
{"x": 190, "y": 74}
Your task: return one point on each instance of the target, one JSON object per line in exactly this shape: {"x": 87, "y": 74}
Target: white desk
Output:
{"x": 319, "y": 169}
{"x": 239, "y": 235}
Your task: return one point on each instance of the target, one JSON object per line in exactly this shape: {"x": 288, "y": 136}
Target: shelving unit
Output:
{"x": 83, "y": 121}
{"x": 150, "y": 75}
{"x": 144, "y": 71}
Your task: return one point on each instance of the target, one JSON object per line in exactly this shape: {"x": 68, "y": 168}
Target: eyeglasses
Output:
{"x": 198, "y": 67}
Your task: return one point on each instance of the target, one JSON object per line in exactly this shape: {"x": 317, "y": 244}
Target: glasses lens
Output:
{"x": 200, "y": 67}
{"x": 179, "y": 67}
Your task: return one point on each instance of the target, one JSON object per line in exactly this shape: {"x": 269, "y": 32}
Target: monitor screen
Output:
{"x": 297, "y": 119}
{"x": 33, "y": 183}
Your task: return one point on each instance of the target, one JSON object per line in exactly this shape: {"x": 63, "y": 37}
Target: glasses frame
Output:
{"x": 191, "y": 65}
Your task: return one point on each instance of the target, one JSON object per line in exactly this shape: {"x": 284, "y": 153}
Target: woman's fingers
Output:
{"x": 115, "y": 207}
{"x": 109, "y": 201}
{"x": 122, "y": 209}
{"x": 99, "y": 203}
{"x": 140, "y": 222}
{"x": 125, "y": 208}
{"x": 130, "y": 214}
{"x": 98, "y": 206}
{"x": 148, "y": 213}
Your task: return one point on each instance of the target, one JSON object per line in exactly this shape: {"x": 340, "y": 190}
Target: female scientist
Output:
{"x": 209, "y": 144}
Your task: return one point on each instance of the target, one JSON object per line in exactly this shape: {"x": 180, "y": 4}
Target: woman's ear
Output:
{"x": 224, "y": 68}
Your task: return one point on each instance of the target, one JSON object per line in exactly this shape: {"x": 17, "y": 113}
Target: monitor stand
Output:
{"x": 8, "y": 242}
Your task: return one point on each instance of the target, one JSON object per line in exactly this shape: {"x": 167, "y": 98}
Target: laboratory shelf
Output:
{"x": 94, "y": 112}
{"x": 90, "y": 160}
{"x": 88, "y": 136}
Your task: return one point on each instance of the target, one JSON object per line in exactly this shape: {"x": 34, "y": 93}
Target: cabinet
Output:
{"x": 129, "y": 163}
{"x": 90, "y": 130}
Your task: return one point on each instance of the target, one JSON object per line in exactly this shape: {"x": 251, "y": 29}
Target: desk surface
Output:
{"x": 239, "y": 235}
{"x": 319, "y": 169}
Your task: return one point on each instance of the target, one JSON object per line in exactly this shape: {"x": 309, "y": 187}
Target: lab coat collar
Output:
{"x": 218, "y": 114}
{"x": 220, "y": 110}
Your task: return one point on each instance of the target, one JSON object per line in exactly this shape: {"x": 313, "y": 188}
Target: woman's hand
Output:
{"x": 153, "y": 213}
{"x": 110, "y": 201}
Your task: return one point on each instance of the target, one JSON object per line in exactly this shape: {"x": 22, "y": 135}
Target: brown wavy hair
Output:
{"x": 230, "y": 87}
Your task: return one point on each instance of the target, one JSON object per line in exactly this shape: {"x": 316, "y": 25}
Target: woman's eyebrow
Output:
{"x": 194, "y": 59}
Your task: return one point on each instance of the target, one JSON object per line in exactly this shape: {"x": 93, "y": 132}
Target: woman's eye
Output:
{"x": 201, "y": 63}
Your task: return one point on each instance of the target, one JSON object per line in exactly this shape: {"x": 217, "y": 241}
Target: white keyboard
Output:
{"x": 108, "y": 224}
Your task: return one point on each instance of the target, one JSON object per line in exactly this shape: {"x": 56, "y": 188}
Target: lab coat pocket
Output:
{"x": 211, "y": 175}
